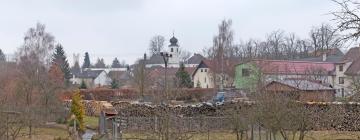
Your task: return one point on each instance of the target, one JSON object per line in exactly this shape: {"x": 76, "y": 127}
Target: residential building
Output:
{"x": 301, "y": 90}
{"x": 250, "y": 75}
{"x": 209, "y": 75}
{"x": 92, "y": 78}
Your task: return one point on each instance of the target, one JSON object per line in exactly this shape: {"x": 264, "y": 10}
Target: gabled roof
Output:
{"x": 354, "y": 68}
{"x": 88, "y": 74}
{"x": 228, "y": 66}
{"x": 329, "y": 52}
{"x": 155, "y": 59}
{"x": 332, "y": 58}
{"x": 352, "y": 54}
{"x": 119, "y": 75}
{"x": 304, "y": 85}
{"x": 195, "y": 59}
{"x": 294, "y": 67}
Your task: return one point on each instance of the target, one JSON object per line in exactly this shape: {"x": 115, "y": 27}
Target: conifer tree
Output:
{"x": 100, "y": 63}
{"x": 59, "y": 58}
{"x": 83, "y": 85}
{"x": 114, "y": 84}
{"x": 86, "y": 63}
{"x": 116, "y": 63}
{"x": 183, "y": 77}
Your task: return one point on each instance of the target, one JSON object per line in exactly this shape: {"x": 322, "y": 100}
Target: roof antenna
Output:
{"x": 173, "y": 33}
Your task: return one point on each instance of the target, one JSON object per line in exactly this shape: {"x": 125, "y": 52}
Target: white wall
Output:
{"x": 204, "y": 78}
{"x": 102, "y": 79}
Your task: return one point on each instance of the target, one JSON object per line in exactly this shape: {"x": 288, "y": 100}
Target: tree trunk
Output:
{"x": 252, "y": 132}
{"x": 274, "y": 135}
{"x": 237, "y": 135}
{"x": 259, "y": 132}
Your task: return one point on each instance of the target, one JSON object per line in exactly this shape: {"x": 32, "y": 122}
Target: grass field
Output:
{"x": 47, "y": 133}
{"x": 91, "y": 122}
{"x": 314, "y": 135}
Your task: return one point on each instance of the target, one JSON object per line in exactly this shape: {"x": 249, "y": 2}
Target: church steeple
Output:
{"x": 173, "y": 41}
{"x": 174, "y": 50}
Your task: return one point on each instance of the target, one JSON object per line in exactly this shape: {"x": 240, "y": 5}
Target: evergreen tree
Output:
{"x": 83, "y": 85}
{"x": 78, "y": 109}
{"x": 183, "y": 77}
{"x": 198, "y": 84}
{"x": 100, "y": 63}
{"x": 114, "y": 84}
{"x": 2, "y": 56}
{"x": 116, "y": 63}
{"x": 59, "y": 58}
{"x": 86, "y": 63}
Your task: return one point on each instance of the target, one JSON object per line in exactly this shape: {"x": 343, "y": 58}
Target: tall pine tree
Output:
{"x": 116, "y": 63}
{"x": 86, "y": 63}
{"x": 100, "y": 63}
{"x": 59, "y": 58}
{"x": 183, "y": 77}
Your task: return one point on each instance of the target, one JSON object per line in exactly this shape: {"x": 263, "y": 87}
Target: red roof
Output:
{"x": 294, "y": 67}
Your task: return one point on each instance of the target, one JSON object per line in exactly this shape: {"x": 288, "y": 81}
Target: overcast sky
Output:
{"x": 123, "y": 28}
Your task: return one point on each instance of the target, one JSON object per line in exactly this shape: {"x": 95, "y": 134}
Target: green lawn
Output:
{"x": 91, "y": 122}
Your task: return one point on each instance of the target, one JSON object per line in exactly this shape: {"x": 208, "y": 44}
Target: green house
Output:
{"x": 247, "y": 75}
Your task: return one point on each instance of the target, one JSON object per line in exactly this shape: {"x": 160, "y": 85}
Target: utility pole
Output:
{"x": 166, "y": 57}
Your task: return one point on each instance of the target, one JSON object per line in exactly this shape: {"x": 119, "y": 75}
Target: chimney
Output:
{"x": 324, "y": 57}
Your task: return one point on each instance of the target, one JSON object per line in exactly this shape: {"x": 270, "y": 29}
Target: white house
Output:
{"x": 92, "y": 78}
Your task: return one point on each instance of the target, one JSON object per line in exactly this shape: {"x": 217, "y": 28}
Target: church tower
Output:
{"x": 174, "y": 51}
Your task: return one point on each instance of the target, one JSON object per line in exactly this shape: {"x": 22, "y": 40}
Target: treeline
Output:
{"x": 276, "y": 45}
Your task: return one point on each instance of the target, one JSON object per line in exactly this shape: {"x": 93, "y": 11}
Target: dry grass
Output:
{"x": 47, "y": 134}
{"x": 313, "y": 135}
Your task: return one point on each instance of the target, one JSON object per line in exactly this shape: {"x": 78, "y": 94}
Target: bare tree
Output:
{"x": 140, "y": 77}
{"x": 37, "y": 42}
{"x": 324, "y": 37}
{"x": 347, "y": 18}
{"x": 156, "y": 44}
{"x": 184, "y": 55}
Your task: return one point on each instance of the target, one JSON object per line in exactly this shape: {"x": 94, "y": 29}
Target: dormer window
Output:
{"x": 172, "y": 49}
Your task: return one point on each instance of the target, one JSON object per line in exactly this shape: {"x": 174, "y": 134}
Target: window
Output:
{"x": 177, "y": 49}
{"x": 205, "y": 80}
{"x": 341, "y": 67}
{"x": 245, "y": 72}
{"x": 341, "y": 80}
{"x": 205, "y": 70}
{"x": 201, "y": 70}
{"x": 172, "y": 49}
{"x": 342, "y": 92}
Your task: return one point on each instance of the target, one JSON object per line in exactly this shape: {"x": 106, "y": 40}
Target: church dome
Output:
{"x": 173, "y": 41}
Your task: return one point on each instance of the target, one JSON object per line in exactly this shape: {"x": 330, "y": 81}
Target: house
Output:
{"x": 209, "y": 75}
{"x": 92, "y": 78}
{"x": 250, "y": 74}
{"x": 301, "y": 90}
{"x": 347, "y": 71}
